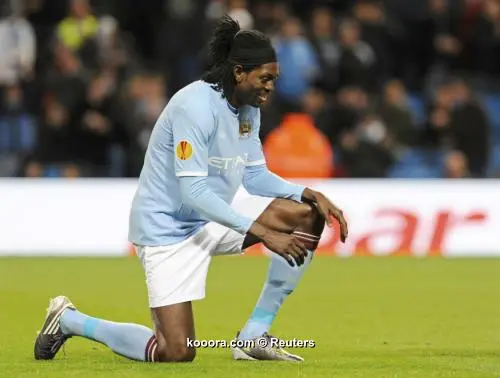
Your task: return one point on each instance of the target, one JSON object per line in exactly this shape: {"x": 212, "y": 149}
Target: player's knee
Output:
{"x": 177, "y": 353}
{"x": 303, "y": 217}
{"x": 293, "y": 212}
{"x": 309, "y": 219}
{"x": 183, "y": 354}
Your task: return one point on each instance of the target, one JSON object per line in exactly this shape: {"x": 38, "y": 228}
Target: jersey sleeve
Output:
{"x": 254, "y": 145}
{"x": 192, "y": 129}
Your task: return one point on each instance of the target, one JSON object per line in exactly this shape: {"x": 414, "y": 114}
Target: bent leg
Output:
{"x": 307, "y": 224}
{"x": 176, "y": 276}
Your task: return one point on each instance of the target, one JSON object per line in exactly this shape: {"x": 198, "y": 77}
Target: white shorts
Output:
{"x": 177, "y": 273}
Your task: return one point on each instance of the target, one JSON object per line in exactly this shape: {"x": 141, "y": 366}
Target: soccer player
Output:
{"x": 203, "y": 146}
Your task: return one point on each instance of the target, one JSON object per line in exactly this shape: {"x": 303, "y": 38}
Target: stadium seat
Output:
{"x": 17, "y": 134}
{"x": 117, "y": 161}
{"x": 418, "y": 163}
{"x": 17, "y": 137}
{"x": 494, "y": 164}
{"x": 52, "y": 171}
{"x": 417, "y": 108}
{"x": 491, "y": 104}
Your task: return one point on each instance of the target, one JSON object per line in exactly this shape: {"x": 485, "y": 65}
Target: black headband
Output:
{"x": 252, "y": 57}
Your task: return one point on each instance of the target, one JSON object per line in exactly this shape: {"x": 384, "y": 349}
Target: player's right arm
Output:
{"x": 192, "y": 131}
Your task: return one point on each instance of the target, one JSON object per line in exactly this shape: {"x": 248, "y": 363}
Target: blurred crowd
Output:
{"x": 368, "y": 88}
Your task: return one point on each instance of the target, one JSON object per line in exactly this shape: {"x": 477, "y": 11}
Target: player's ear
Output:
{"x": 239, "y": 74}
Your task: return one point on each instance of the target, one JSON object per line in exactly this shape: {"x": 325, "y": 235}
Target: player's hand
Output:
{"x": 328, "y": 210}
{"x": 287, "y": 246}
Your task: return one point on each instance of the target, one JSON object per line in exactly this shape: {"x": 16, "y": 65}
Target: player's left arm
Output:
{"x": 258, "y": 180}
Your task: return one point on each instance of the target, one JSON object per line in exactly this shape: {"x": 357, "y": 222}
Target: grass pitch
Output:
{"x": 369, "y": 317}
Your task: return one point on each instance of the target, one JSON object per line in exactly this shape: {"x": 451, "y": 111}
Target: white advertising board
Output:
{"x": 420, "y": 218}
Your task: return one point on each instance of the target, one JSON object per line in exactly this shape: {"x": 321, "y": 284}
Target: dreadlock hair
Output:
{"x": 231, "y": 46}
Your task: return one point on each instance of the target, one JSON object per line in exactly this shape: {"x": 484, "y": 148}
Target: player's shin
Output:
{"x": 282, "y": 279}
{"x": 133, "y": 341}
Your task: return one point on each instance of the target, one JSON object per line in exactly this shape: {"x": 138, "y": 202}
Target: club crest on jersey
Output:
{"x": 184, "y": 150}
{"x": 245, "y": 128}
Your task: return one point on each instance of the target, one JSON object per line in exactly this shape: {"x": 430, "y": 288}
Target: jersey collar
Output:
{"x": 234, "y": 110}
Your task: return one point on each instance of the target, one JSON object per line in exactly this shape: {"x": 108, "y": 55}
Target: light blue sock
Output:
{"x": 133, "y": 341}
{"x": 282, "y": 279}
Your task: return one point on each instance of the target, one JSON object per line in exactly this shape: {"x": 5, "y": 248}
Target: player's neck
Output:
{"x": 233, "y": 104}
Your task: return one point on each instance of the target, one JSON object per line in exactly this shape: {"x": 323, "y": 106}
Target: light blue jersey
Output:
{"x": 197, "y": 134}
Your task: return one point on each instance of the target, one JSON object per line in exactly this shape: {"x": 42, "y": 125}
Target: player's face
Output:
{"x": 255, "y": 87}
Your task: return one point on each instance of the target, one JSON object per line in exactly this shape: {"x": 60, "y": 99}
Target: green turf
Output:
{"x": 369, "y": 317}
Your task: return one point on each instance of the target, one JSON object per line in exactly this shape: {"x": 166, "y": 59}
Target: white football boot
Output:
{"x": 263, "y": 348}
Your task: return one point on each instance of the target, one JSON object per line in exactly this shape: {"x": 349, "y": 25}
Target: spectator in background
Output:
{"x": 17, "y": 131}
{"x": 470, "y": 128}
{"x": 78, "y": 27}
{"x": 347, "y": 110}
{"x": 437, "y": 131}
{"x": 457, "y": 121}
{"x": 67, "y": 78}
{"x": 366, "y": 150}
{"x": 54, "y": 149}
{"x": 104, "y": 47}
{"x": 238, "y": 10}
{"x": 270, "y": 16}
{"x": 18, "y": 43}
{"x": 263, "y": 17}
{"x": 142, "y": 101}
{"x": 444, "y": 28}
{"x": 110, "y": 50}
{"x": 316, "y": 103}
{"x": 297, "y": 149}
{"x": 442, "y": 49}
{"x": 455, "y": 165}
{"x": 375, "y": 31}
{"x": 298, "y": 64}
{"x": 327, "y": 48}
{"x": 484, "y": 42}
{"x": 357, "y": 65}
{"x": 179, "y": 40}
{"x": 396, "y": 115}
{"x": 98, "y": 129}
